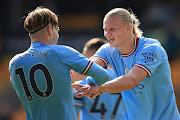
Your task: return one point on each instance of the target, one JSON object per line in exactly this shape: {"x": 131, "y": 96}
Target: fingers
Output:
{"x": 87, "y": 90}
{"x": 77, "y": 86}
{"x": 71, "y": 73}
{"x": 82, "y": 89}
{"x": 94, "y": 96}
{"x": 90, "y": 96}
{"x": 79, "y": 95}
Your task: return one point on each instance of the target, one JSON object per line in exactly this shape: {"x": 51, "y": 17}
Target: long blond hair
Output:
{"x": 127, "y": 16}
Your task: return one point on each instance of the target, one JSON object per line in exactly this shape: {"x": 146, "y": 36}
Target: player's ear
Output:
{"x": 30, "y": 35}
{"x": 49, "y": 29}
{"x": 129, "y": 27}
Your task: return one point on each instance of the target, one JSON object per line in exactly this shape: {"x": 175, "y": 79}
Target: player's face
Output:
{"x": 115, "y": 31}
{"x": 55, "y": 35}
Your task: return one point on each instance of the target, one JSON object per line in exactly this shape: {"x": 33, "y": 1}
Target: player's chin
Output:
{"x": 111, "y": 45}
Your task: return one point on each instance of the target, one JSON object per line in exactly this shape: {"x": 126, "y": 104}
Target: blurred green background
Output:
{"x": 81, "y": 20}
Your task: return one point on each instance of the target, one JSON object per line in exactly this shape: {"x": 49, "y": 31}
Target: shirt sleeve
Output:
{"x": 101, "y": 54}
{"x": 150, "y": 58}
{"x": 90, "y": 80}
{"x": 84, "y": 66}
{"x": 73, "y": 58}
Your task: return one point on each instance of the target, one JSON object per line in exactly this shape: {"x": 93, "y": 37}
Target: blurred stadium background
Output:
{"x": 81, "y": 20}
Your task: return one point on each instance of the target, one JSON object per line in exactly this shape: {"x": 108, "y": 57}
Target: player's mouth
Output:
{"x": 111, "y": 40}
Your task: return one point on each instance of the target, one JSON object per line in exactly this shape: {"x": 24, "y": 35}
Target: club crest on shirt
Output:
{"x": 149, "y": 57}
{"x": 126, "y": 70}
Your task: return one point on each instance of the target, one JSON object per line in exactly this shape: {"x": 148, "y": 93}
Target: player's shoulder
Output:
{"x": 153, "y": 47}
{"x": 150, "y": 43}
{"x": 16, "y": 58}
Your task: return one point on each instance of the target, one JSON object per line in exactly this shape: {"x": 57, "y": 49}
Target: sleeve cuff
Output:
{"x": 144, "y": 68}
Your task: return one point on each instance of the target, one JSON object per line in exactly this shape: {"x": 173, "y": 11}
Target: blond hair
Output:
{"x": 39, "y": 18}
{"x": 126, "y": 16}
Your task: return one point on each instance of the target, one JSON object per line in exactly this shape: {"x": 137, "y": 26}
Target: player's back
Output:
{"x": 42, "y": 83}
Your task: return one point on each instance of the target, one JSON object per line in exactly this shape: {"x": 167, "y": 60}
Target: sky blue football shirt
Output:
{"x": 41, "y": 79}
{"x": 153, "y": 98}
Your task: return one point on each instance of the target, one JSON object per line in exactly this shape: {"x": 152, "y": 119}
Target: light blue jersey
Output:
{"x": 153, "y": 98}
{"x": 41, "y": 79}
{"x": 103, "y": 107}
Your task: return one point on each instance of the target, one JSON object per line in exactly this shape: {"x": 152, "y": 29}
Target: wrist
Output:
{"x": 100, "y": 90}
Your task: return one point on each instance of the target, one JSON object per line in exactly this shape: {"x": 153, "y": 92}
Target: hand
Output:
{"x": 91, "y": 91}
{"x": 75, "y": 76}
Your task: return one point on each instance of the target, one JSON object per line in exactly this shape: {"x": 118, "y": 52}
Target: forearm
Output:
{"x": 122, "y": 83}
{"x": 99, "y": 74}
{"x": 119, "y": 84}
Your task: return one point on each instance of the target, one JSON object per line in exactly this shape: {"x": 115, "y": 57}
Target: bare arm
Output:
{"x": 122, "y": 83}
{"x": 125, "y": 82}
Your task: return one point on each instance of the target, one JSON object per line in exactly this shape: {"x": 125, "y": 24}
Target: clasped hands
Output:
{"x": 91, "y": 91}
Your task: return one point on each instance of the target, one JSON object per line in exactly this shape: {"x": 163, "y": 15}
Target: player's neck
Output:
{"x": 128, "y": 46}
{"x": 42, "y": 38}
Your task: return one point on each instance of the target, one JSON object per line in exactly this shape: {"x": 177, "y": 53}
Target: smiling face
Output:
{"x": 115, "y": 31}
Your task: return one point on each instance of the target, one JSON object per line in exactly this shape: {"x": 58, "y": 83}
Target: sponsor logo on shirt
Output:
{"x": 149, "y": 57}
